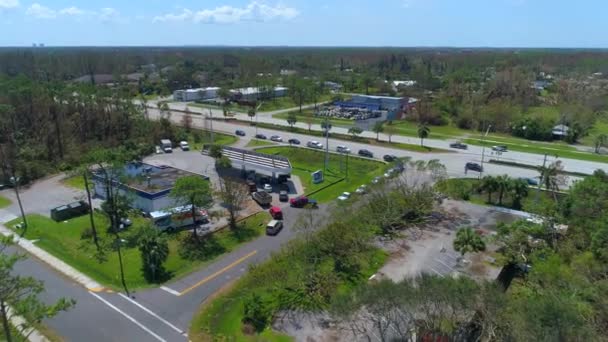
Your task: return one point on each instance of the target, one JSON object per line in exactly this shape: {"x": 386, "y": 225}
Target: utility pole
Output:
{"x": 540, "y": 179}
{"x": 483, "y": 148}
{"x": 327, "y": 127}
{"x": 15, "y": 181}
{"x": 211, "y": 125}
{"x": 256, "y": 116}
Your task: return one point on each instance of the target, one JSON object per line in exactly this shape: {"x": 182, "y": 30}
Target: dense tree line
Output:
{"x": 47, "y": 125}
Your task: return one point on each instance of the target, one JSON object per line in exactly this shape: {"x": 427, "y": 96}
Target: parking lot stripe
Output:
{"x": 171, "y": 291}
{"x": 128, "y": 317}
{"x": 214, "y": 275}
{"x": 444, "y": 264}
{"x": 438, "y": 273}
{"x": 180, "y": 331}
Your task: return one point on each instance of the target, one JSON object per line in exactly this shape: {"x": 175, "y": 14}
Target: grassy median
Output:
{"x": 64, "y": 241}
{"x": 4, "y": 202}
{"x": 305, "y": 161}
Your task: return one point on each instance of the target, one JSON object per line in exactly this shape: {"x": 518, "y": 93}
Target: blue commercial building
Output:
{"x": 146, "y": 186}
{"x": 394, "y": 106}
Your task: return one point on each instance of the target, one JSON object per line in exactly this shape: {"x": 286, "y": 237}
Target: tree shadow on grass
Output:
{"x": 204, "y": 248}
{"x": 242, "y": 234}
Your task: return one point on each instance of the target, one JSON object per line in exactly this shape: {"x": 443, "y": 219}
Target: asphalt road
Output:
{"x": 158, "y": 314}
{"x": 454, "y": 160}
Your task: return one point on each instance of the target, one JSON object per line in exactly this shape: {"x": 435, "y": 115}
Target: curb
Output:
{"x": 53, "y": 261}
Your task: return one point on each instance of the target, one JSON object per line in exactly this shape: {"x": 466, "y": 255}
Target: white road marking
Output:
{"x": 128, "y": 317}
{"x": 180, "y": 331}
{"x": 171, "y": 291}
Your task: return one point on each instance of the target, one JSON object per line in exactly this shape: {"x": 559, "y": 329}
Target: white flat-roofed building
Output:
{"x": 196, "y": 94}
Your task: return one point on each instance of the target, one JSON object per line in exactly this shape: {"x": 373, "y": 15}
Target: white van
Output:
{"x": 274, "y": 227}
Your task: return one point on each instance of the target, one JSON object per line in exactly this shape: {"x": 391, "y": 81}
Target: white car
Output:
{"x": 158, "y": 150}
{"x": 342, "y": 149}
{"x": 184, "y": 146}
{"x": 389, "y": 173}
{"x": 361, "y": 190}
{"x": 314, "y": 144}
{"x": 267, "y": 187}
{"x": 344, "y": 196}
{"x": 276, "y": 138}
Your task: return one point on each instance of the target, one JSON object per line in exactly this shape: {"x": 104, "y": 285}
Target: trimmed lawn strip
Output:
{"x": 258, "y": 142}
{"x": 205, "y": 138}
{"x": 540, "y": 150}
{"x": 63, "y": 240}
{"x": 305, "y": 161}
{"x": 4, "y": 202}
{"x": 345, "y": 137}
{"x": 534, "y": 167}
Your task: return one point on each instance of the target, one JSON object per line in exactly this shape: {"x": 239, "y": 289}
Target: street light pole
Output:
{"x": 327, "y": 127}
{"x": 15, "y": 181}
{"x": 483, "y": 148}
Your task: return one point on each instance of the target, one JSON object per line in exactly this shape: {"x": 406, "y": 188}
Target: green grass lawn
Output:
{"x": 532, "y": 203}
{"x": 307, "y": 114}
{"x": 221, "y": 318}
{"x": 600, "y": 127}
{"x": 258, "y": 142}
{"x": 63, "y": 240}
{"x": 4, "y": 202}
{"x": 410, "y": 129}
{"x": 205, "y": 138}
{"x": 305, "y": 161}
{"x": 278, "y": 103}
{"x": 76, "y": 182}
{"x": 346, "y": 137}
{"x": 532, "y": 147}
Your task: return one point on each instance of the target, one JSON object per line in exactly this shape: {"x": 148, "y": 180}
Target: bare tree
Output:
{"x": 233, "y": 195}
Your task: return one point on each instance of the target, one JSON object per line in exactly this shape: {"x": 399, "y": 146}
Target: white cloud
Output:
{"x": 254, "y": 11}
{"x": 5, "y": 4}
{"x": 108, "y": 14}
{"x": 72, "y": 11}
{"x": 36, "y": 10}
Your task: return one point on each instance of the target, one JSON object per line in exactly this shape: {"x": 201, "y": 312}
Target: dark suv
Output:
{"x": 389, "y": 158}
{"x": 366, "y": 153}
{"x": 473, "y": 167}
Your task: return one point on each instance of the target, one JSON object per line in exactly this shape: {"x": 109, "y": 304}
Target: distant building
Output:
{"x": 147, "y": 186}
{"x": 333, "y": 86}
{"x": 394, "y": 106}
{"x": 540, "y": 85}
{"x": 288, "y": 72}
{"x": 252, "y": 94}
{"x": 396, "y": 85}
{"x": 197, "y": 94}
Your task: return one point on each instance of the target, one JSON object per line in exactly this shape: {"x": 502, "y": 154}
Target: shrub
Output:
{"x": 87, "y": 234}
{"x": 258, "y": 311}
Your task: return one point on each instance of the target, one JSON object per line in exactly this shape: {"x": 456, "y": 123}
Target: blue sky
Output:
{"x": 493, "y": 23}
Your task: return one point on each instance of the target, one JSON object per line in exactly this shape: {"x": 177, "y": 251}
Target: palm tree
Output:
{"x": 489, "y": 185}
{"x": 378, "y": 128}
{"x": 467, "y": 241}
{"x": 423, "y": 133}
{"x": 549, "y": 177}
{"x": 519, "y": 190}
{"x": 502, "y": 183}
{"x": 600, "y": 141}
{"x": 251, "y": 113}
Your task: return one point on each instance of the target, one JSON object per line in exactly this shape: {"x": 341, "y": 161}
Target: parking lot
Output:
{"x": 429, "y": 248}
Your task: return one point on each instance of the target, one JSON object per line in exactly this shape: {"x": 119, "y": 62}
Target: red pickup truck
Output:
{"x": 302, "y": 201}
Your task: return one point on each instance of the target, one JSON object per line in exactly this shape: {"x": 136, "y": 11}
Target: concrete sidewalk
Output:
{"x": 54, "y": 262}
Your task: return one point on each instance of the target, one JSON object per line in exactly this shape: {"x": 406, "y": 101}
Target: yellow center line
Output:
{"x": 214, "y": 275}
